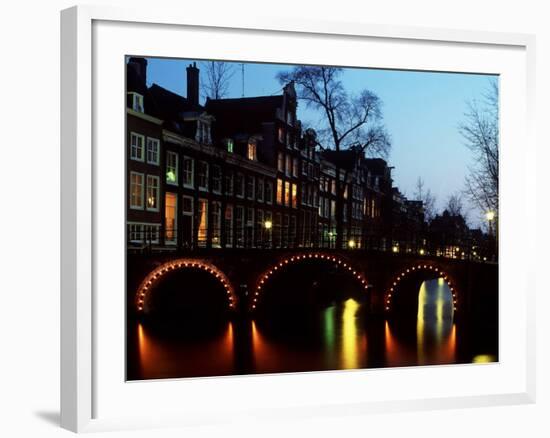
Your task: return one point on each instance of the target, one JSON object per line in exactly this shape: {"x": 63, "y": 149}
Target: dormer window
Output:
{"x": 203, "y": 132}
{"x": 251, "y": 151}
{"x": 137, "y": 102}
{"x": 229, "y": 145}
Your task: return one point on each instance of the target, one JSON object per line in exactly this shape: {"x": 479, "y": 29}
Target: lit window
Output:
{"x": 153, "y": 149}
{"x": 170, "y": 208}
{"x": 171, "y": 167}
{"x": 281, "y": 135}
{"x": 287, "y": 193}
{"x": 203, "y": 175}
{"x": 294, "y": 195}
{"x": 279, "y": 191}
{"x": 203, "y": 222}
{"x": 136, "y": 146}
{"x": 216, "y": 223}
{"x": 229, "y": 143}
{"x": 188, "y": 170}
{"x": 216, "y": 179}
{"x": 252, "y": 151}
{"x": 136, "y": 190}
{"x": 153, "y": 188}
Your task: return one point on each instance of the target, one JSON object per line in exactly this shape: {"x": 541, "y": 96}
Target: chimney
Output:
{"x": 193, "y": 84}
{"x": 140, "y": 66}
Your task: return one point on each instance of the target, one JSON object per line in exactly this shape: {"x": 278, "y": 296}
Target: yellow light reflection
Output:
{"x": 484, "y": 358}
{"x": 350, "y": 358}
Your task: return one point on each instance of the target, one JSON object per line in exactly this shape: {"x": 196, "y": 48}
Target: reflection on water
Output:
{"x": 340, "y": 335}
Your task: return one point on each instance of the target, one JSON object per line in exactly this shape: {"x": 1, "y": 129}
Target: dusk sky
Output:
{"x": 422, "y": 112}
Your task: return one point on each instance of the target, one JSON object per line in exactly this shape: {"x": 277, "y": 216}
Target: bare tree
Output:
{"x": 348, "y": 121}
{"x": 454, "y": 206}
{"x": 216, "y": 79}
{"x": 427, "y": 198}
{"x": 480, "y": 130}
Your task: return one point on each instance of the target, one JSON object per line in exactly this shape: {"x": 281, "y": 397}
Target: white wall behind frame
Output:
{"x": 29, "y": 397}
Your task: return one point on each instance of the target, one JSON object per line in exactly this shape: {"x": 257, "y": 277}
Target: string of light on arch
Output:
{"x": 415, "y": 268}
{"x": 266, "y": 275}
{"x": 154, "y": 276}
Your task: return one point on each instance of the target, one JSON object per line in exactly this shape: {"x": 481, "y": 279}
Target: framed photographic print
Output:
{"x": 315, "y": 209}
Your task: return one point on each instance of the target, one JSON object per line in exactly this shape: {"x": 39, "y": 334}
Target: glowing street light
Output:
{"x": 268, "y": 225}
{"x": 490, "y": 215}
{"x": 395, "y": 248}
{"x": 421, "y": 251}
{"x": 351, "y": 243}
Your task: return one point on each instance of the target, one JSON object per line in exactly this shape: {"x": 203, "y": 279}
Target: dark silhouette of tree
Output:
{"x": 480, "y": 130}
{"x": 348, "y": 120}
{"x": 217, "y": 75}
{"x": 427, "y": 198}
{"x": 455, "y": 207}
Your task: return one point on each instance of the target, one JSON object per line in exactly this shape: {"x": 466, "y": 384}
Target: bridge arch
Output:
{"x": 146, "y": 286}
{"x": 416, "y": 268}
{"x": 264, "y": 277}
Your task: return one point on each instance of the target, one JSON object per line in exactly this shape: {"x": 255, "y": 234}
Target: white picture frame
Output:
{"x": 83, "y": 369}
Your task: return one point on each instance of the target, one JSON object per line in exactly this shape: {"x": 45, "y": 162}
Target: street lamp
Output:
{"x": 351, "y": 243}
{"x": 490, "y": 216}
{"x": 268, "y": 225}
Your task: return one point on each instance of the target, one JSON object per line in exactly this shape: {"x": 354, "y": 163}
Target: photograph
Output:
{"x": 289, "y": 218}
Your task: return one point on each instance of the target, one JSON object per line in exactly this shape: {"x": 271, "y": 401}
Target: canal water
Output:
{"x": 333, "y": 334}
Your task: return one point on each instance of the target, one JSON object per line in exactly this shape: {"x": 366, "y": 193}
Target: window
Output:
{"x": 203, "y": 132}
{"x": 136, "y": 146}
{"x": 153, "y": 188}
{"x": 260, "y": 189}
{"x": 281, "y": 162}
{"x": 172, "y": 167}
{"x": 288, "y": 167}
{"x": 229, "y": 145}
{"x": 216, "y": 179}
{"x": 170, "y": 213}
{"x": 285, "y": 231}
{"x": 281, "y": 135}
{"x": 136, "y": 190}
{"x": 287, "y": 193}
{"x": 250, "y": 187}
{"x": 251, "y": 151}
{"x": 135, "y": 233}
{"x": 304, "y": 193}
{"x": 152, "y": 233}
{"x": 216, "y": 224}
{"x": 187, "y": 231}
{"x": 239, "y": 225}
{"x": 188, "y": 171}
{"x": 293, "y": 231}
{"x": 279, "y": 191}
{"x": 249, "y": 229}
{"x": 203, "y": 222}
{"x": 332, "y": 208}
{"x": 277, "y": 228}
{"x": 259, "y": 228}
{"x": 228, "y": 225}
{"x": 294, "y": 195}
{"x": 153, "y": 150}
{"x": 229, "y": 182}
{"x": 295, "y": 167}
{"x": 269, "y": 192}
{"x": 240, "y": 185}
{"x": 304, "y": 167}
{"x": 268, "y": 231}
{"x": 137, "y": 102}
{"x": 203, "y": 175}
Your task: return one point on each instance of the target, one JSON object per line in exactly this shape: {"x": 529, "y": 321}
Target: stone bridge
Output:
{"x": 244, "y": 273}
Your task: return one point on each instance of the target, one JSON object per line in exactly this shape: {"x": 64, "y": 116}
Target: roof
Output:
{"x": 243, "y": 115}
{"x": 169, "y": 105}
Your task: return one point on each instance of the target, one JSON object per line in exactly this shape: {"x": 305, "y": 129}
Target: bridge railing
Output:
{"x": 155, "y": 238}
